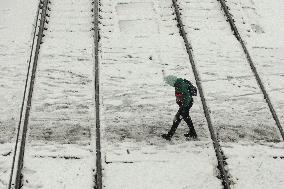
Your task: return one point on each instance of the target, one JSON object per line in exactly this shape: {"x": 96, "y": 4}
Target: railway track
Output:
{"x": 230, "y": 19}
{"x": 219, "y": 154}
{"x": 43, "y": 11}
{"x": 189, "y": 49}
{"x": 34, "y": 111}
{"x": 216, "y": 74}
{"x": 217, "y": 147}
{"x": 98, "y": 176}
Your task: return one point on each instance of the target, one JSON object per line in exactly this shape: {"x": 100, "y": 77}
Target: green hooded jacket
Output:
{"x": 181, "y": 87}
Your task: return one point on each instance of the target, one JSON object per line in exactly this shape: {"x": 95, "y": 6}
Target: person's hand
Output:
{"x": 179, "y": 102}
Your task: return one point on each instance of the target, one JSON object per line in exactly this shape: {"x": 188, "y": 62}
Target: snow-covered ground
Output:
{"x": 16, "y": 25}
{"x": 186, "y": 165}
{"x": 62, "y": 108}
{"x": 233, "y": 94}
{"x": 5, "y": 163}
{"x": 229, "y": 84}
{"x": 136, "y": 102}
{"x": 58, "y": 166}
{"x": 261, "y": 25}
{"x": 139, "y": 39}
{"x": 255, "y": 165}
{"x": 238, "y": 109}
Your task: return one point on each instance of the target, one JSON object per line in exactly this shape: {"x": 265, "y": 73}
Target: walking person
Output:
{"x": 184, "y": 91}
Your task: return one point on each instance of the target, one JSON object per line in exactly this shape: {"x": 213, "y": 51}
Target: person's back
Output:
{"x": 182, "y": 92}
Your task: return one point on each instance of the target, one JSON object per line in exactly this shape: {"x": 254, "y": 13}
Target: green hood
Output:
{"x": 170, "y": 80}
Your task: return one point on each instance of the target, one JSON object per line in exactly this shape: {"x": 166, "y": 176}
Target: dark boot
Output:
{"x": 191, "y": 133}
{"x": 166, "y": 136}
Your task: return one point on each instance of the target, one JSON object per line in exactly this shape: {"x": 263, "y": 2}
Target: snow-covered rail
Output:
{"x": 217, "y": 147}
{"x": 97, "y": 96}
{"x": 251, "y": 63}
{"x": 235, "y": 100}
{"x": 42, "y": 9}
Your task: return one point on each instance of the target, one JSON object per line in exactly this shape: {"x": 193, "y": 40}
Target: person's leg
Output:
{"x": 192, "y": 132}
{"x": 176, "y": 121}
{"x": 187, "y": 119}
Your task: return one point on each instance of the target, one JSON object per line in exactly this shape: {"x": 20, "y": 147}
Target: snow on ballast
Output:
{"x": 253, "y": 67}
{"x": 261, "y": 26}
{"x": 219, "y": 153}
{"x": 260, "y": 33}
{"x": 58, "y": 151}
{"x": 16, "y": 31}
{"x": 42, "y": 10}
{"x": 138, "y": 41}
{"x": 230, "y": 87}
{"x": 98, "y": 175}
{"x": 240, "y": 115}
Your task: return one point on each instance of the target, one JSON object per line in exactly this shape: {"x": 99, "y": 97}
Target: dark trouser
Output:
{"x": 183, "y": 113}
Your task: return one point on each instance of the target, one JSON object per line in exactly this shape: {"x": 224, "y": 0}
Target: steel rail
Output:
{"x": 24, "y": 97}
{"x": 253, "y": 68}
{"x": 216, "y": 145}
{"x": 98, "y": 178}
{"x": 18, "y": 180}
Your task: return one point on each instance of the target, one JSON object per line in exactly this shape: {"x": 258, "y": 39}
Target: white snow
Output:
{"x": 5, "y": 163}
{"x": 16, "y": 25}
{"x": 138, "y": 107}
{"x": 255, "y": 165}
{"x": 237, "y": 106}
{"x": 261, "y": 25}
{"x": 228, "y": 81}
{"x": 58, "y": 166}
{"x": 139, "y": 39}
{"x": 238, "y": 109}
{"x": 136, "y": 102}
{"x": 171, "y": 166}
{"x": 63, "y": 96}
{"x": 62, "y": 108}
